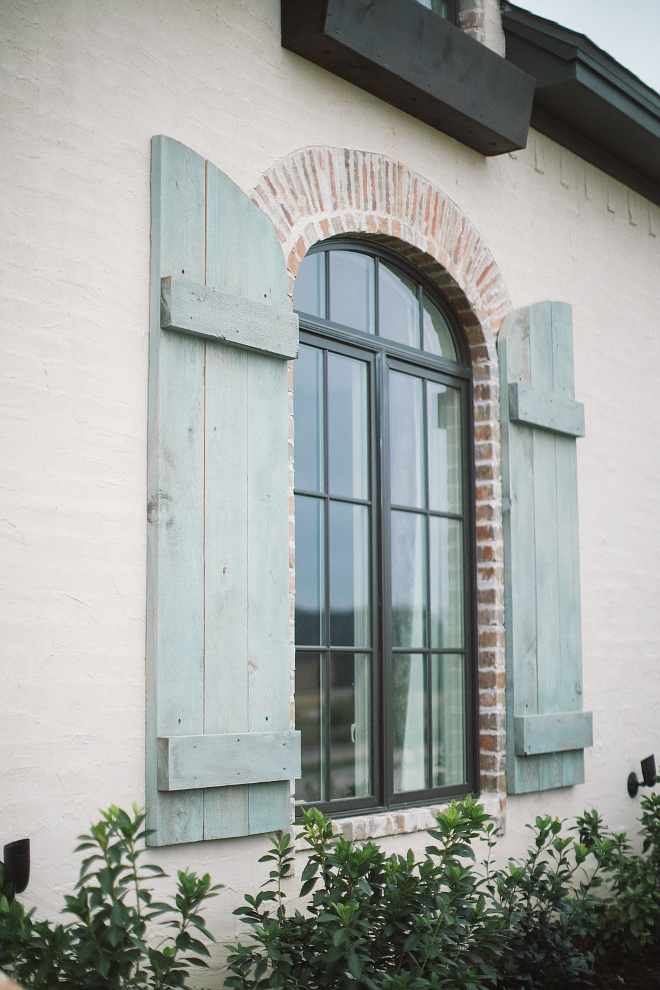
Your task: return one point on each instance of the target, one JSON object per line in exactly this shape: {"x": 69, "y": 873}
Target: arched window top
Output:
{"x": 362, "y": 287}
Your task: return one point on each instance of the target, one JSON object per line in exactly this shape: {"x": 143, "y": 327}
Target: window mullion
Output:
{"x": 386, "y": 577}
{"x": 326, "y": 680}
{"x": 427, "y": 567}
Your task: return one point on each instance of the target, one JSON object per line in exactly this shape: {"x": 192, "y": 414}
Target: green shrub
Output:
{"x": 384, "y": 922}
{"x": 546, "y": 900}
{"x": 107, "y": 946}
{"x": 629, "y": 918}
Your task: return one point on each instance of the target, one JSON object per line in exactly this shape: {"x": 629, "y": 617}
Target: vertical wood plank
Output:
{"x": 569, "y": 623}
{"x": 244, "y": 257}
{"x": 226, "y": 684}
{"x": 269, "y": 657}
{"x": 519, "y": 538}
{"x": 175, "y": 562}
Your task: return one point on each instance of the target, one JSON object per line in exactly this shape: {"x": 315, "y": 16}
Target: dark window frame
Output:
{"x": 382, "y": 355}
{"x": 452, "y": 10}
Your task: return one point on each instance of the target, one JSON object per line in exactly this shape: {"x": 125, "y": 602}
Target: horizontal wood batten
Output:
{"x": 187, "y": 762}
{"x": 555, "y": 733}
{"x": 204, "y": 312}
{"x": 549, "y": 412}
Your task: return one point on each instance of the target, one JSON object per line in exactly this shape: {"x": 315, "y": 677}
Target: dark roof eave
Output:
{"x": 587, "y": 101}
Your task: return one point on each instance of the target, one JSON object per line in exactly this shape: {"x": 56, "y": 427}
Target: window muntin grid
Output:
{"x": 390, "y": 720}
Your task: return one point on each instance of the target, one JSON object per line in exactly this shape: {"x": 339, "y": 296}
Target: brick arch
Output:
{"x": 316, "y": 193}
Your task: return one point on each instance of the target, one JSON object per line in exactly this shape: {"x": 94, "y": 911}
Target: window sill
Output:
{"x": 402, "y": 822}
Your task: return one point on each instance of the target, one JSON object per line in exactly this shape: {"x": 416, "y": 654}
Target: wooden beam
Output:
{"x": 534, "y": 734}
{"x": 549, "y": 412}
{"x": 199, "y": 310}
{"x": 188, "y": 762}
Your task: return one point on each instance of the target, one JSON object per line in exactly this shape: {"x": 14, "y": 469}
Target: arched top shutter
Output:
{"x": 220, "y": 750}
{"x": 546, "y": 727}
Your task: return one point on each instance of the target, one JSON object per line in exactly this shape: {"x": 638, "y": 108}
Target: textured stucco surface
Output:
{"x": 85, "y": 87}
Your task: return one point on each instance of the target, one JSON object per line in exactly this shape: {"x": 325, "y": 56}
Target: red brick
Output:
{"x": 489, "y": 784}
{"x": 496, "y": 721}
{"x": 487, "y": 658}
{"x": 484, "y": 472}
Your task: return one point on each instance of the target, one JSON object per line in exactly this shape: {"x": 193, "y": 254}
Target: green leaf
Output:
{"x": 354, "y": 966}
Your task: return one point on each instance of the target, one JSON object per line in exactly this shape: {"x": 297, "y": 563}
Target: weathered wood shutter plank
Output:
{"x": 175, "y": 491}
{"x": 219, "y": 657}
{"x": 226, "y": 701}
{"x": 269, "y": 659}
{"x": 540, "y": 421}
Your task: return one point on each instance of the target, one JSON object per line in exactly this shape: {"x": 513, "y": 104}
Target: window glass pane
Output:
{"x": 439, "y": 6}
{"x": 352, "y": 290}
{"x": 446, "y": 548}
{"x": 310, "y": 571}
{"x": 406, "y": 440}
{"x": 348, "y": 426}
{"x": 309, "y": 288}
{"x": 408, "y": 579}
{"x": 349, "y": 575}
{"x": 448, "y": 696}
{"x": 308, "y": 722}
{"x": 398, "y": 307}
{"x": 409, "y": 721}
{"x": 350, "y": 720}
{"x": 438, "y": 337}
{"x": 443, "y": 410}
{"x": 308, "y": 418}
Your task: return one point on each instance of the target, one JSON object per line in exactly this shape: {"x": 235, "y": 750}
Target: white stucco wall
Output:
{"x": 85, "y": 87}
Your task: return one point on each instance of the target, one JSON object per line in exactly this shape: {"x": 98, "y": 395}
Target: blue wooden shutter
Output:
{"x": 546, "y": 727}
{"x": 220, "y": 750}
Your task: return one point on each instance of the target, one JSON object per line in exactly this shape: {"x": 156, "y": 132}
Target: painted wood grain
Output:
{"x": 175, "y": 532}
{"x": 548, "y": 412}
{"x": 226, "y": 593}
{"x": 202, "y": 311}
{"x": 244, "y": 255}
{"x": 227, "y": 759}
{"x": 555, "y": 733}
{"x": 269, "y": 656}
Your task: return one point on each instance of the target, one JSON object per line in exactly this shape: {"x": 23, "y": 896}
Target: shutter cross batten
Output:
{"x": 549, "y": 412}
{"x": 204, "y": 312}
{"x": 547, "y": 730}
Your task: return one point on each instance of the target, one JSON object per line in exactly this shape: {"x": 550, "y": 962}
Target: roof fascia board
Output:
{"x": 587, "y": 102}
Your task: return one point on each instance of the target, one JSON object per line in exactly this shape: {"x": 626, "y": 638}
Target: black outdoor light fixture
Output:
{"x": 648, "y": 773}
{"x": 16, "y": 868}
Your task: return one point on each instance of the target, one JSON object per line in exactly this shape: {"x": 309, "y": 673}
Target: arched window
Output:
{"x": 385, "y": 569}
